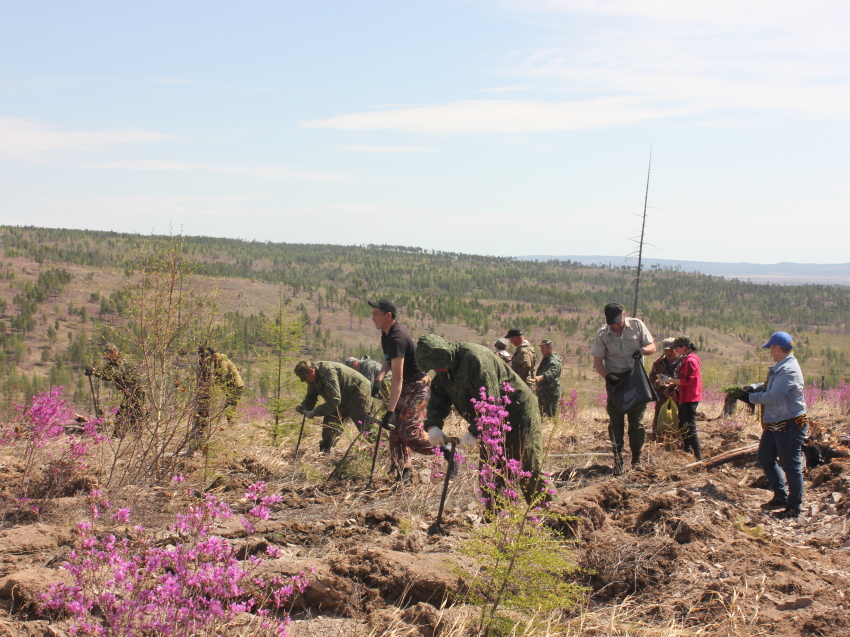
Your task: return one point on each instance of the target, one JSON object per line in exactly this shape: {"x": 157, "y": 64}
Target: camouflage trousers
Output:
{"x": 408, "y": 435}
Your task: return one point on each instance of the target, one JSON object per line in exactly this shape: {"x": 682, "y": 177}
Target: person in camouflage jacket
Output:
{"x": 462, "y": 369}
{"x": 346, "y": 394}
{"x": 524, "y": 359}
{"x": 548, "y": 379}
{"x": 226, "y": 375}
{"x": 131, "y": 411}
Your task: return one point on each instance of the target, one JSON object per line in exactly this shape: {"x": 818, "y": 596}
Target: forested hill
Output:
{"x": 453, "y": 287}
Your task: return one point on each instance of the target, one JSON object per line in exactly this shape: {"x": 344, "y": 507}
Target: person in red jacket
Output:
{"x": 689, "y": 380}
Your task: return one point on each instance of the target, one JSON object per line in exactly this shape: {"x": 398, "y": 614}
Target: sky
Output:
{"x": 508, "y": 127}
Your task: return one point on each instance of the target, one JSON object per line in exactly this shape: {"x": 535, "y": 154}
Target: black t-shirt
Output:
{"x": 397, "y": 343}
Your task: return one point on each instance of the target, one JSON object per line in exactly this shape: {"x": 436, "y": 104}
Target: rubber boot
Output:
{"x": 451, "y": 467}
{"x": 696, "y": 446}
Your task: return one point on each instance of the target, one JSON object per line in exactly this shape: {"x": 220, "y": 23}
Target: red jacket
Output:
{"x": 690, "y": 391}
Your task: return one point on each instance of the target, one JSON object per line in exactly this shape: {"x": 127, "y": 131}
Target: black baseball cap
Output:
{"x": 385, "y": 305}
{"x": 613, "y": 313}
{"x": 514, "y": 332}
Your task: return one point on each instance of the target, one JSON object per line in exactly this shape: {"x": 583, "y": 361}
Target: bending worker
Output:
{"x": 347, "y": 394}
{"x": 463, "y": 369}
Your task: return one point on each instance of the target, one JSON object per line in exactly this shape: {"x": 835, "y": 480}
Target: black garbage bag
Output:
{"x": 633, "y": 390}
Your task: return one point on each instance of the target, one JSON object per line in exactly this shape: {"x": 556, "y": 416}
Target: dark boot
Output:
{"x": 696, "y": 447}
{"x": 406, "y": 476}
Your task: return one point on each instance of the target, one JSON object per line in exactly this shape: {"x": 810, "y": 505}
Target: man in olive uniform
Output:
{"x": 226, "y": 375}
{"x": 524, "y": 359}
{"x": 615, "y": 349}
{"x": 462, "y": 370}
{"x": 548, "y": 379}
{"x": 347, "y": 394}
{"x": 131, "y": 411}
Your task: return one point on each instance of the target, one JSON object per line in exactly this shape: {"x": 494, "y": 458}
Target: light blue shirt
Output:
{"x": 782, "y": 394}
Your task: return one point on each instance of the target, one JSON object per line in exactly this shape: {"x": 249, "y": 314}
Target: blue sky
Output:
{"x": 510, "y": 128}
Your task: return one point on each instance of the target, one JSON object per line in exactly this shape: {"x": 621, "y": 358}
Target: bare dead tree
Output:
{"x": 640, "y": 245}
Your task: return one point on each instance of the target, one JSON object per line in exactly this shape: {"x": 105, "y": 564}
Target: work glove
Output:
{"x": 300, "y": 409}
{"x": 385, "y": 421}
{"x": 436, "y": 437}
{"x": 468, "y": 440}
{"x": 310, "y": 414}
{"x": 377, "y": 386}
{"x": 637, "y": 354}
{"x": 612, "y": 378}
{"x": 89, "y": 370}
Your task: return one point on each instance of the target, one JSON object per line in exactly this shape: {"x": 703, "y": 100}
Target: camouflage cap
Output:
{"x": 501, "y": 343}
{"x": 667, "y": 343}
{"x": 302, "y": 368}
{"x": 351, "y": 360}
{"x": 548, "y": 341}
{"x": 110, "y": 347}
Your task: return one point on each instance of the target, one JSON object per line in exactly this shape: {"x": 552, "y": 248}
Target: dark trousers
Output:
{"x": 548, "y": 406}
{"x": 688, "y": 428}
{"x": 788, "y": 446}
{"x": 617, "y": 426}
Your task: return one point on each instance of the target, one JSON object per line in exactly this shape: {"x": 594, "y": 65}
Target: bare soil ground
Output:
{"x": 666, "y": 549}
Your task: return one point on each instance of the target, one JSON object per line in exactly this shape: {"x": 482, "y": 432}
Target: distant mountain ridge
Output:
{"x": 782, "y": 273}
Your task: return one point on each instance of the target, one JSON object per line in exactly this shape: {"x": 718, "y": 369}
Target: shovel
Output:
{"x": 97, "y": 412}
{"x": 375, "y": 452}
{"x": 437, "y": 527}
{"x": 345, "y": 455}
{"x": 300, "y": 433}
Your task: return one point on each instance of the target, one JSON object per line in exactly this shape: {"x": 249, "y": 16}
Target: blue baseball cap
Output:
{"x": 783, "y": 339}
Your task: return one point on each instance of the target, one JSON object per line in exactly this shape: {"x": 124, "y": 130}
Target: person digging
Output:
{"x": 462, "y": 369}
{"x": 346, "y": 394}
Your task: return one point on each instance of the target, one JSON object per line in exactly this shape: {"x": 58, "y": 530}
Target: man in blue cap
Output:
{"x": 784, "y": 426}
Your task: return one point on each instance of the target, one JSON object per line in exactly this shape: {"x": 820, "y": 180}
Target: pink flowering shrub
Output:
{"x": 132, "y": 587}
{"x": 569, "y": 408}
{"x": 523, "y": 562}
{"x": 837, "y": 398}
{"x": 501, "y": 478}
{"x": 54, "y": 461}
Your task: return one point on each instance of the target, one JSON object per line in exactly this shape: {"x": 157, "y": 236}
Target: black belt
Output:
{"x": 415, "y": 378}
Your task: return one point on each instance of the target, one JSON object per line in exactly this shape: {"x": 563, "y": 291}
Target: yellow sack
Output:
{"x": 668, "y": 419}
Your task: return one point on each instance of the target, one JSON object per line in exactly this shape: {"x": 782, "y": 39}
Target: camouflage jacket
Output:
{"x": 470, "y": 368}
{"x": 523, "y": 363}
{"x": 346, "y": 391}
{"x": 124, "y": 376}
{"x": 550, "y": 370}
{"x": 226, "y": 373}
{"x": 370, "y": 368}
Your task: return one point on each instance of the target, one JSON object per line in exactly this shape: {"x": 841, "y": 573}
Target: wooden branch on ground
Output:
{"x": 741, "y": 453}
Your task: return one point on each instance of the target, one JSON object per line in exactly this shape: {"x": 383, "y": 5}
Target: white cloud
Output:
{"x": 614, "y": 62}
{"x": 26, "y": 139}
{"x": 502, "y": 116}
{"x": 266, "y": 172}
{"x": 176, "y": 81}
{"x": 385, "y": 149}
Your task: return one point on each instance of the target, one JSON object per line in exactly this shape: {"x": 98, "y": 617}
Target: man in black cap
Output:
{"x": 524, "y": 359}
{"x": 410, "y": 389}
{"x": 614, "y": 351}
